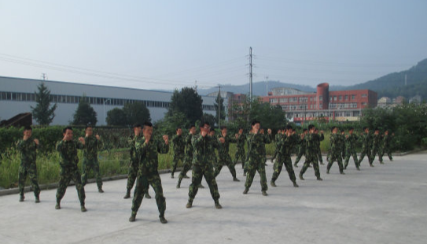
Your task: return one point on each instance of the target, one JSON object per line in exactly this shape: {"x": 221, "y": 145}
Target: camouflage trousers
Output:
{"x": 300, "y": 153}
{"x": 225, "y": 160}
{"x": 142, "y": 186}
{"x": 66, "y": 175}
{"x": 311, "y": 159}
{"x": 133, "y": 170}
{"x": 176, "y": 158}
{"x": 286, "y": 160}
{"x": 251, "y": 168}
{"x": 187, "y": 166}
{"x": 319, "y": 155}
{"x": 350, "y": 152}
{"x": 240, "y": 154}
{"x": 31, "y": 171}
{"x": 380, "y": 152}
{"x": 388, "y": 151}
{"x": 335, "y": 156}
{"x": 365, "y": 152}
{"x": 198, "y": 173}
{"x": 91, "y": 165}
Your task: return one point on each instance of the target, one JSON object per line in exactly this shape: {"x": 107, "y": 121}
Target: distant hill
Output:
{"x": 391, "y": 85}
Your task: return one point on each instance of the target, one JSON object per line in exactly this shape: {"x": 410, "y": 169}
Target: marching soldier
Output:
{"x": 287, "y": 142}
{"x": 378, "y": 147}
{"x": 67, "y": 148}
{"x": 92, "y": 146}
{"x": 366, "y": 139}
{"x": 255, "y": 158}
{"x": 350, "y": 141}
{"x": 178, "y": 149}
{"x": 240, "y": 153}
{"x": 336, "y": 150}
{"x": 387, "y": 144}
{"x": 202, "y": 166}
{"x": 188, "y": 155}
{"x": 318, "y": 145}
{"x": 147, "y": 149}
{"x": 27, "y": 148}
{"x": 224, "y": 156}
{"x": 310, "y": 153}
{"x": 302, "y": 147}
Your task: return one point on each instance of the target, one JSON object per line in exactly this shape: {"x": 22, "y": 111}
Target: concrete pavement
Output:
{"x": 384, "y": 204}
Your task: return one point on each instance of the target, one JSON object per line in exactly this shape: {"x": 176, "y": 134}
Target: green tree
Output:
{"x": 84, "y": 114}
{"x": 211, "y": 119}
{"x": 136, "y": 112}
{"x": 219, "y": 108}
{"x": 188, "y": 102}
{"x": 116, "y": 117}
{"x": 42, "y": 113}
{"x": 169, "y": 124}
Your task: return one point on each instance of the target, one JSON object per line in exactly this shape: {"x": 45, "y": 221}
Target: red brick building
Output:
{"x": 333, "y": 105}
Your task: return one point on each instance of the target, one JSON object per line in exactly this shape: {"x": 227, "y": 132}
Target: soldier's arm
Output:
{"x": 100, "y": 144}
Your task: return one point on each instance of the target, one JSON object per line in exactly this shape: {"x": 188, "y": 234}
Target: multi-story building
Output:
{"x": 17, "y": 95}
{"x": 332, "y": 105}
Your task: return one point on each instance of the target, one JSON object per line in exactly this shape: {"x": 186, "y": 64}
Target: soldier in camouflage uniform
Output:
{"x": 302, "y": 147}
{"x": 212, "y": 146}
{"x": 310, "y": 153}
{"x": 286, "y": 144}
{"x": 336, "y": 150}
{"x": 278, "y": 141}
{"x": 202, "y": 166}
{"x": 188, "y": 155}
{"x": 240, "y": 152}
{"x": 224, "y": 156}
{"x": 350, "y": 149}
{"x": 67, "y": 148}
{"x": 378, "y": 146}
{"x": 366, "y": 139}
{"x": 92, "y": 146}
{"x": 267, "y": 140}
{"x": 255, "y": 160}
{"x": 147, "y": 149}
{"x": 387, "y": 144}
{"x": 178, "y": 150}
{"x": 343, "y": 143}
{"x": 27, "y": 148}
{"x": 318, "y": 145}
{"x": 133, "y": 167}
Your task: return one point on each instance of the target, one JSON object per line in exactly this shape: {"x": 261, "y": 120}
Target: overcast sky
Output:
{"x": 163, "y": 44}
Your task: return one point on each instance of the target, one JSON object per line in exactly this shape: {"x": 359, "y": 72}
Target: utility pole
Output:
{"x": 406, "y": 80}
{"x": 44, "y": 76}
{"x": 250, "y": 72}
{"x": 267, "y": 89}
{"x": 219, "y": 106}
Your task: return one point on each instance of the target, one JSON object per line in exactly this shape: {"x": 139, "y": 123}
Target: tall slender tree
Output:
{"x": 85, "y": 114}
{"x": 43, "y": 113}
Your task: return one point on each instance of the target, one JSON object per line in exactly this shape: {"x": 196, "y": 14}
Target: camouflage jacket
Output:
{"x": 148, "y": 154}
{"x": 266, "y": 139}
{"x": 320, "y": 137}
{"x": 213, "y": 145}
{"x": 178, "y": 144}
{"x": 350, "y": 141}
{"x": 92, "y": 146}
{"x": 241, "y": 141}
{"x": 287, "y": 145}
{"x": 132, "y": 145}
{"x": 387, "y": 141}
{"x": 309, "y": 144}
{"x": 256, "y": 142}
{"x": 377, "y": 142}
{"x": 366, "y": 138}
{"x": 202, "y": 150}
{"x": 68, "y": 151}
{"x": 27, "y": 149}
{"x": 224, "y": 149}
{"x": 189, "y": 145}
{"x": 336, "y": 144}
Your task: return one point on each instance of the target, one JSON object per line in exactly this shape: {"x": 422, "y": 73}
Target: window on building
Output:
{"x": 335, "y": 98}
{"x": 353, "y": 97}
{"x": 321, "y": 98}
{"x": 340, "y": 97}
{"x": 331, "y": 98}
{"x": 346, "y": 97}
{"x": 363, "y": 95}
